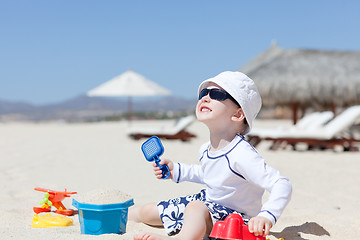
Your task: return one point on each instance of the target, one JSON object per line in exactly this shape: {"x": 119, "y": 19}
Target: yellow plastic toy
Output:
{"x": 49, "y": 220}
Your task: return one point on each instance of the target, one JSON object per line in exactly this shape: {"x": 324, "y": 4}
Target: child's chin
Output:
{"x": 203, "y": 118}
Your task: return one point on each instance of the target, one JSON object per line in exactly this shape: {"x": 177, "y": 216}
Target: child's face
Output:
{"x": 213, "y": 112}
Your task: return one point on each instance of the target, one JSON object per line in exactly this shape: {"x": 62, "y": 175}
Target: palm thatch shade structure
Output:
{"x": 306, "y": 78}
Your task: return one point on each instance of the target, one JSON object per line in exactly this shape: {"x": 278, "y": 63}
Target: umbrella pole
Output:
{"x": 129, "y": 109}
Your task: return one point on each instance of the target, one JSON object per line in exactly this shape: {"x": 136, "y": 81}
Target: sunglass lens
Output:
{"x": 218, "y": 94}
{"x": 203, "y": 93}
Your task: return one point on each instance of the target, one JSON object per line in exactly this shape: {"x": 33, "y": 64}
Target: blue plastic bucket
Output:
{"x": 101, "y": 219}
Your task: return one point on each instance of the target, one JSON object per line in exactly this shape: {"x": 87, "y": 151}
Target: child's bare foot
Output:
{"x": 151, "y": 236}
{"x": 144, "y": 236}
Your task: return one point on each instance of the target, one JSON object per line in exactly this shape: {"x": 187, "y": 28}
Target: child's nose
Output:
{"x": 206, "y": 98}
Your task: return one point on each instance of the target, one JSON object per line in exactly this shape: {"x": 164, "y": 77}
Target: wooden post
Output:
{"x": 333, "y": 109}
{"x": 294, "y": 112}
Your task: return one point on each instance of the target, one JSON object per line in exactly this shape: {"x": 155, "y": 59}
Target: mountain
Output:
{"x": 84, "y": 108}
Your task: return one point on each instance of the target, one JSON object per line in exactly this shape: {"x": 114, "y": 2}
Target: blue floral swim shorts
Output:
{"x": 172, "y": 211}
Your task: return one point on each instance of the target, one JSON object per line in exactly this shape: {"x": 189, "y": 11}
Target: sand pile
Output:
{"x": 103, "y": 196}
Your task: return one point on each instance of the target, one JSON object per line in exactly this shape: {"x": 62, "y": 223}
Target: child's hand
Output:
{"x": 158, "y": 172}
{"x": 260, "y": 226}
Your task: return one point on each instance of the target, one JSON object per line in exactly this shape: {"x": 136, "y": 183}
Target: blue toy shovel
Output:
{"x": 153, "y": 149}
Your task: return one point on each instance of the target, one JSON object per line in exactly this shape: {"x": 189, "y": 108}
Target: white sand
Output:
{"x": 103, "y": 196}
{"x": 84, "y": 157}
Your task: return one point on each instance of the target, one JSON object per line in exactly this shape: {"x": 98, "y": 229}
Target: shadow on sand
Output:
{"x": 293, "y": 232}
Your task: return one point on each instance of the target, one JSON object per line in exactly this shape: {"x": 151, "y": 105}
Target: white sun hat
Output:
{"x": 242, "y": 89}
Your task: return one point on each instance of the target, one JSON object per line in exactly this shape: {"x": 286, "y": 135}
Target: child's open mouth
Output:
{"x": 205, "y": 109}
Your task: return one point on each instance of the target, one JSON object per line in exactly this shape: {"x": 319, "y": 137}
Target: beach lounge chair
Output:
{"x": 334, "y": 133}
{"x": 178, "y": 131}
{"x": 309, "y": 122}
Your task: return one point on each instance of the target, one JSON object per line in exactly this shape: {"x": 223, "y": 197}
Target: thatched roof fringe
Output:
{"x": 307, "y": 77}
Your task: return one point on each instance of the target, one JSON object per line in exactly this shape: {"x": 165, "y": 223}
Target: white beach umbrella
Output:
{"x": 128, "y": 84}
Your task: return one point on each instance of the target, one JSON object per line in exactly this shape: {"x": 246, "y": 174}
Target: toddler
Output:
{"x": 234, "y": 173}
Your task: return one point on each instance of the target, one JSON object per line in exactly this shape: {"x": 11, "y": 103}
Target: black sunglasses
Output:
{"x": 217, "y": 94}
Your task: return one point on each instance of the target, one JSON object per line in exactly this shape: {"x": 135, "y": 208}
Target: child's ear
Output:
{"x": 238, "y": 116}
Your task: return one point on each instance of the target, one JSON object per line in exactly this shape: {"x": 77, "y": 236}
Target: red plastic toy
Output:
{"x": 54, "y": 198}
{"x": 231, "y": 228}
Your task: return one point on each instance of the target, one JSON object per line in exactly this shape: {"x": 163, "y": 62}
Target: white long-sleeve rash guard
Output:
{"x": 236, "y": 177}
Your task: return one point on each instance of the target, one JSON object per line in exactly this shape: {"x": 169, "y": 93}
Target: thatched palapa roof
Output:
{"x": 306, "y": 78}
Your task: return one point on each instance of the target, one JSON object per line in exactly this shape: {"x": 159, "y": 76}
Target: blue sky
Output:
{"x": 51, "y": 51}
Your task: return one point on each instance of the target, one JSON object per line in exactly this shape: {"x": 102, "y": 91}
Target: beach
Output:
{"x": 83, "y": 157}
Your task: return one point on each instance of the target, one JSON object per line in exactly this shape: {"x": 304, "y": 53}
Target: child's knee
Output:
{"x": 196, "y": 209}
{"x": 197, "y": 206}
